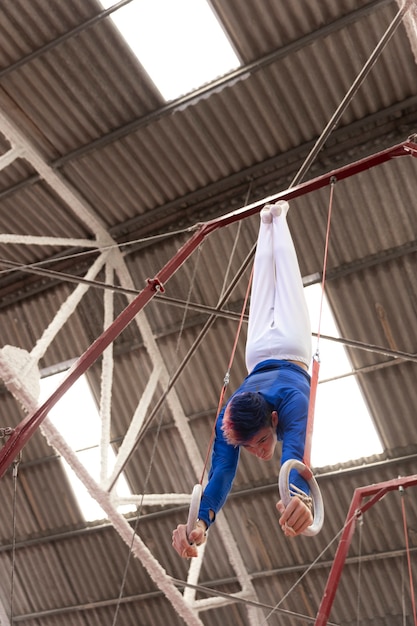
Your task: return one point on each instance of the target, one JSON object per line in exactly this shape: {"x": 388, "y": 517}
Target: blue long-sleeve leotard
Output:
{"x": 286, "y": 387}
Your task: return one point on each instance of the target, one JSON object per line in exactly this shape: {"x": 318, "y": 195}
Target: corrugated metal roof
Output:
{"x": 149, "y": 171}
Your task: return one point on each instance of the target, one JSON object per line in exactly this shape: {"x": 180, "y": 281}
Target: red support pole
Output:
{"x": 375, "y": 493}
{"x": 24, "y": 431}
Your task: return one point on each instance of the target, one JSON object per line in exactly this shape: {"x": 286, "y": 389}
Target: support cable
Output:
{"x": 347, "y": 523}
{"x": 152, "y": 458}
{"x": 242, "y": 600}
{"x": 188, "y": 301}
{"x": 356, "y": 514}
{"x": 138, "y": 517}
{"x": 358, "y": 597}
{"x": 218, "y": 311}
{"x": 15, "y": 471}
{"x": 410, "y": 573}
{"x": 329, "y": 128}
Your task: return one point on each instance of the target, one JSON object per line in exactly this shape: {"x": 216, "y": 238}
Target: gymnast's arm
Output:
{"x": 224, "y": 462}
{"x": 297, "y": 516}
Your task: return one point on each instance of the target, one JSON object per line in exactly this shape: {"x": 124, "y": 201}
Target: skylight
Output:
{"x": 77, "y": 419}
{"x": 343, "y": 429}
{"x": 180, "y": 43}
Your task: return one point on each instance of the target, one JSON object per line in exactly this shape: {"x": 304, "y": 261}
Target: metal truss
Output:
{"x": 20, "y": 373}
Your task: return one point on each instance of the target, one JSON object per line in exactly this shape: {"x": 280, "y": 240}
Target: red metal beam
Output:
{"x": 24, "y": 431}
{"x": 356, "y": 509}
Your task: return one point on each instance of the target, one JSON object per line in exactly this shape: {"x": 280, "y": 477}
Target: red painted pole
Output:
{"x": 24, "y": 431}
{"x": 375, "y": 493}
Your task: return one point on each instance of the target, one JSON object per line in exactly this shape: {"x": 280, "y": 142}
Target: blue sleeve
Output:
{"x": 224, "y": 462}
{"x": 293, "y": 413}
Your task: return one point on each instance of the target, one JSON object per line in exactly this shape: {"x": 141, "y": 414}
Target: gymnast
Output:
{"x": 271, "y": 404}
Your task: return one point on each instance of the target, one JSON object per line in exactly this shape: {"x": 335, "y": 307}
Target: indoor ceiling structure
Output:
{"x": 102, "y": 182}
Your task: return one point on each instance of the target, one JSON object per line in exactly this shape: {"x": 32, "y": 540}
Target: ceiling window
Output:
{"x": 76, "y": 417}
{"x": 180, "y": 43}
{"x": 343, "y": 428}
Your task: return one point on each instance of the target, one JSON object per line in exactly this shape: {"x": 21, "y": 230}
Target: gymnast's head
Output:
{"x": 249, "y": 422}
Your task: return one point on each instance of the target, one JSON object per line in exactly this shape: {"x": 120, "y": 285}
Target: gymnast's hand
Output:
{"x": 187, "y": 546}
{"x": 295, "y": 518}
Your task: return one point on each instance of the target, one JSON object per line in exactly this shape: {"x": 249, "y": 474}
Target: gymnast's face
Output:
{"x": 263, "y": 443}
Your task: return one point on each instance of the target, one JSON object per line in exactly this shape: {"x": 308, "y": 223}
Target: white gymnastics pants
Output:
{"x": 279, "y": 322}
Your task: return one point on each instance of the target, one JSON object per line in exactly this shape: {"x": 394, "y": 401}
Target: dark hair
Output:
{"x": 247, "y": 414}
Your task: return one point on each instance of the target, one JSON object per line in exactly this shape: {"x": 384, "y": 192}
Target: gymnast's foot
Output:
{"x": 274, "y": 210}
{"x": 266, "y": 217}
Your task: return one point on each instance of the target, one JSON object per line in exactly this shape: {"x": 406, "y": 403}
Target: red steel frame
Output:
{"x": 375, "y": 493}
{"x": 24, "y": 431}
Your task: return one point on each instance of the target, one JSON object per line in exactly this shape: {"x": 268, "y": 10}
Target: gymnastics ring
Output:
{"x": 194, "y": 508}
{"x": 284, "y": 490}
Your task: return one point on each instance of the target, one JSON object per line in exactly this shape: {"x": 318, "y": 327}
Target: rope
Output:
{"x": 232, "y": 356}
{"x": 410, "y": 573}
{"x": 226, "y": 378}
{"x": 316, "y": 357}
{"x": 326, "y": 252}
